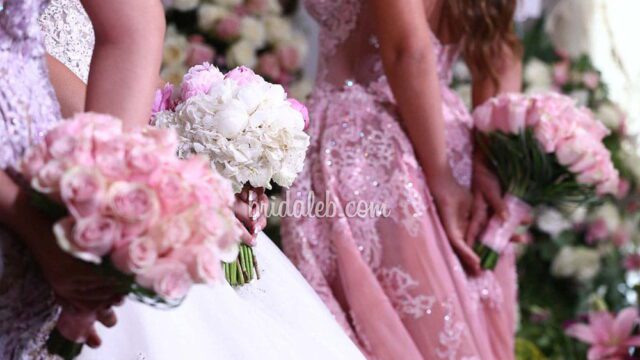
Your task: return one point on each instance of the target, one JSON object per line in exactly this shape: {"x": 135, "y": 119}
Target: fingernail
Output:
{"x": 255, "y": 216}
{"x": 256, "y": 230}
{"x": 252, "y": 195}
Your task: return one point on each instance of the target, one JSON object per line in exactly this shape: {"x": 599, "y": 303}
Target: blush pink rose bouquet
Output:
{"x": 545, "y": 150}
{"x": 248, "y": 128}
{"x": 125, "y": 202}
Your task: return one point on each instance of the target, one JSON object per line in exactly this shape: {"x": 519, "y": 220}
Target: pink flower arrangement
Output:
{"x": 610, "y": 337}
{"x": 132, "y": 204}
{"x": 554, "y": 151}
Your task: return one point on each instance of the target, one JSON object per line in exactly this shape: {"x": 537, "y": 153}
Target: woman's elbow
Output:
{"x": 407, "y": 52}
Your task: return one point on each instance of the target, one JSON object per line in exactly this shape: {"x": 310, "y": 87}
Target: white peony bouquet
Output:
{"x": 249, "y": 130}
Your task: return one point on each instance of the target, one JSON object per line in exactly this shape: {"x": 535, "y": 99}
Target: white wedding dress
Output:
{"x": 278, "y": 317}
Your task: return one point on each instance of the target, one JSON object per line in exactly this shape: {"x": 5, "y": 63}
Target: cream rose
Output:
{"x": 242, "y": 53}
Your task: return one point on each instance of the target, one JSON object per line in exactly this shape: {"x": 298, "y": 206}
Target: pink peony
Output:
{"x": 163, "y": 100}
{"x": 289, "y": 58}
{"x": 199, "y": 52}
{"x": 624, "y": 186}
{"x": 228, "y": 28}
{"x": 199, "y": 80}
{"x": 243, "y": 76}
{"x": 610, "y": 337}
{"x": 82, "y": 190}
{"x": 136, "y": 256}
{"x": 591, "y": 80}
{"x": 269, "y": 66}
{"x": 298, "y": 106}
{"x": 257, "y": 6}
{"x": 169, "y": 279}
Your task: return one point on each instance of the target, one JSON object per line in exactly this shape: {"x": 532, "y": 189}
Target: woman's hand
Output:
{"x": 454, "y": 206}
{"x": 79, "y": 326}
{"x": 487, "y": 199}
{"x": 251, "y": 210}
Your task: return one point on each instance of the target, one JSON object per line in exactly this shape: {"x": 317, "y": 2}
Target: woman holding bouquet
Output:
{"x": 388, "y": 129}
{"x": 278, "y": 316}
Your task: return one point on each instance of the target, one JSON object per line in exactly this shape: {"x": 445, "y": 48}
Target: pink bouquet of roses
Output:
{"x": 125, "y": 202}
{"x": 545, "y": 150}
{"x": 248, "y": 128}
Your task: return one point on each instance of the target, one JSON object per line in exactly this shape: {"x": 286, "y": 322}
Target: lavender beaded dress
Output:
{"x": 27, "y": 109}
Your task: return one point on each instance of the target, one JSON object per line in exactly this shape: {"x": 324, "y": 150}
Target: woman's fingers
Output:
{"x": 93, "y": 340}
{"x": 467, "y": 256}
{"x": 479, "y": 217}
{"x": 107, "y": 317}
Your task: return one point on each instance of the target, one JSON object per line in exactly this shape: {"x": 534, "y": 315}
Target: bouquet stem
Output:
{"x": 244, "y": 269}
{"x": 63, "y": 347}
{"x": 494, "y": 240}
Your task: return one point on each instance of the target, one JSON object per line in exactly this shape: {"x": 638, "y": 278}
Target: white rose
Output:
{"x": 175, "y": 49}
{"x": 578, "y": 262}
{"x": 610, "y": 115}
{"x": 274, "y": 7}
{"x": 568, "y": 26}
{"x": 465, "y": 93}
{"x": 610, "y": 214}
{"x": 242, "y": 53}
{"x": 580, "y": 96}
{"x": 208, "y": 16}
{"x": 552, "y": 222}
{"x": 231, "y": 119}
{"x": 173, "y": 73}
{"x": 538, "y": 75}
{"x": 253, "y": 31}
{"x": 185, "y": 5}
{"x": 300, "y": 90}
{"x": 278, "y": 30}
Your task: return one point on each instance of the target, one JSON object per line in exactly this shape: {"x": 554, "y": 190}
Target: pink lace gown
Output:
{"x": 394, "y": 283}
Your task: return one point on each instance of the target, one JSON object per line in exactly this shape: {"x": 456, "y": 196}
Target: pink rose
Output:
{"x": 482, "y": 118}
{"x": 289, "y": 58}
{"x": 135, "y": 205}
{"x": 257, "y": 6}
{"x": 203, "y": 265}
{"x": 136, "y": 256}
{"x": 269, "y": 66}
{"x": 199, "y": 80}
{"x": 570, "y": 151}
{"x": 169, "y": 279}
{"x": 47, "y": 180}
{"x": 611, "y": 184}
{"x": 546, "y": 134}
{"x": 228, "y": 28}
{"x": 632, "y": 262}
{"x": 110, "y": 158}
{"x": 89, "y": 239}
{"x": 173, "y": 191}
{"x": 33, "y": 161}
{"x": 243, "y": 76}
{"x": 219, "y": 228}
{"x": 142, "y": 156}
{"x": 518, "y": 116}
{"x": 82, "y": 190}
{"x": 173, "y": 233}
{"x": 299, "y": 107}
{"x": 199, "y": 53}
{"x": 597, "y": 231}
{"x": 624, "y": 186}
{"x": 621, "y": 237}
{"x": 163, "y": 100}
{"x": 165, "y": 141}
{"x": 591, "y": 80}
{"x": 561, "y": 73}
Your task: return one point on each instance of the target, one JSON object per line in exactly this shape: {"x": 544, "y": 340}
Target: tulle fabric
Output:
{"x": 277, "y": 317}
{"x": 394, "y": 283}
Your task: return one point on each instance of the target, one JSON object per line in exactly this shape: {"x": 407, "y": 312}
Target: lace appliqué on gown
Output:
{"x": 400, "y": 288}
{"x": 69, "y": 35}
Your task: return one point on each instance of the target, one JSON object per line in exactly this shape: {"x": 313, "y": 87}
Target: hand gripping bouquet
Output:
{"x": 124, "y": 202}
{"x": 248, "y": 128}
{"x": 545, "y": 150}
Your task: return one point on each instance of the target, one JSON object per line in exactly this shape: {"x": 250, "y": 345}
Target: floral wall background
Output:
{"x": 581, "y": 266}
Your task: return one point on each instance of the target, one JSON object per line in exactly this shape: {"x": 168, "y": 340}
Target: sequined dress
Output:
{"x": 27, "y": 109}
{"x": 394, "y": 283}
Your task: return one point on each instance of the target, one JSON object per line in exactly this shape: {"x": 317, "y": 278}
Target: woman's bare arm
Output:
{"x": 509, "y": 79}
{"x": 127, "y": 57}
{"x": 410, "y": 65}
{"x": 70, "y": 90}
